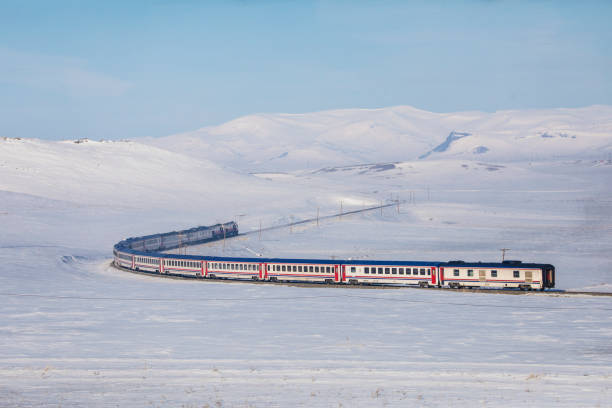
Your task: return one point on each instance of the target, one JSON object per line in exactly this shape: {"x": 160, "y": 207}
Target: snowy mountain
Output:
{"x": 285, "y": 142}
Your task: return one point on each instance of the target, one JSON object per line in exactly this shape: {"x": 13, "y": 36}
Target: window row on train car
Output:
{"x": 492, "y": 273}
{"x": 145, "y": 260}
{"x": 392, "y": 271}
{"x": 123, "y": 256}
{"x": 300, "y": 268}
{"x": 233, "y": 266}
{"x": 182, "y": 264}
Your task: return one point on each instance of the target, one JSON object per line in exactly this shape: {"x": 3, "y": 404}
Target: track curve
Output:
{"x": 153, "y": 259}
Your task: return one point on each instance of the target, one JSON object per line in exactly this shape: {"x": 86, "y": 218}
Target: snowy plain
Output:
{"x": 76, "y": 332}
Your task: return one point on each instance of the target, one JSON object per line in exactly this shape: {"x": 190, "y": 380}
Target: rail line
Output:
{"x": 360, "y": 285}
{"x": 553, "y": 292}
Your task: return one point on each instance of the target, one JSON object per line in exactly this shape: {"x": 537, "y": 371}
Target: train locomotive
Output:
{"x": 144, "y": 254}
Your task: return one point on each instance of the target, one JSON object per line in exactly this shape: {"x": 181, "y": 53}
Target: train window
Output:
{"x": 284, "y": 269}
{"x": 353, "y": 269}
{"x": 401, "y": 271}
{"x": 455, "y": 273}
{"x": 517, "y": 274}
{"x": 387, "y": 271}
{"x": 268, "y": 267}
{"x": 366, "y": 270}
{"x": 422, "y": 271}
{"x": 470, "y": 272}
{"x": 294, "y": 268}
{"x": 299, "y": 268}
{"x": 328, "y": 269}
{"x": 394, "y": 271}
{"x": 316, "y": 269}
{"x": 415, "y": 271}
{"x": 429, "y": 272}
{"x": 311, "y": 269}
{"x": 494, "y": 274}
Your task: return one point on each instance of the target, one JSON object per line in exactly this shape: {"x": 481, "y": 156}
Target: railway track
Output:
{"x": 552, "y": 292}
{"x": 508, "y": 291}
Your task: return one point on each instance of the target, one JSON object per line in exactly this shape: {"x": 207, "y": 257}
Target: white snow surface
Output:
{"x": 76, "y": 332}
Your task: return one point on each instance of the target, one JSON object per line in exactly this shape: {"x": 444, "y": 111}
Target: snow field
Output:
{"x": 76, "y": 332}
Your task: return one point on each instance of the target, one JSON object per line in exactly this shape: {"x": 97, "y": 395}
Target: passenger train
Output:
{"x": 145, "y": 254}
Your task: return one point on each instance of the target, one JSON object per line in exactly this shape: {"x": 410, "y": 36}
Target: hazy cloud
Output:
{"x": 64, "y": 74}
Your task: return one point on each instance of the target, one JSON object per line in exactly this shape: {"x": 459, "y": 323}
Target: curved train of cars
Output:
{"x": 145, "y": 254}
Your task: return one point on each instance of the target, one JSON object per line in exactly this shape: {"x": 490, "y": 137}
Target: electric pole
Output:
{"x": 504, "y": 253}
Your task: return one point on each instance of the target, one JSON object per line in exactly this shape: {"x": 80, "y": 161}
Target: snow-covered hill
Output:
{"x": 121, "y": 173}
{"x": 285, "y": 142}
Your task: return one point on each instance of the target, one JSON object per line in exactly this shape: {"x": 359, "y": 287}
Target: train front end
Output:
{"x": 548, "y": 277}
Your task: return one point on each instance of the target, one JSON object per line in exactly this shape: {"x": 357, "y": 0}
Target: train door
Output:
{"x": 339, "y": 273}
{"x": 482, "y": 275}
{"x": 262, "y": 272}
{"x": 433, "y": 276}
{"x": 528, "y": 276}
{"x": 343, "y": 276}
{"x": 161, "y": 265}
{"x": 441, "y": 277}
{"x": 204, "y": 271}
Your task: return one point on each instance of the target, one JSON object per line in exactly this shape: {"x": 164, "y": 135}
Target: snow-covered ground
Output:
{"x": 76, "y": 332}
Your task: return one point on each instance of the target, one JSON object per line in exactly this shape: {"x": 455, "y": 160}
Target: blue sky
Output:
{"x": 71, "y": 69}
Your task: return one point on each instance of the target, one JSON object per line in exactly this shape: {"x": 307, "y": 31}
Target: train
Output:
{"x": 145, "y": 254}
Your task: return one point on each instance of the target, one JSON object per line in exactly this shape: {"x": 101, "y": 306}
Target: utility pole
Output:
{"x": 504, "y": 253}
{"x": 317, "y": 217}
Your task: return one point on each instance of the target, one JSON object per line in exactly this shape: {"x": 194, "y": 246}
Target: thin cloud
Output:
{"x": 63, "y": 74}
